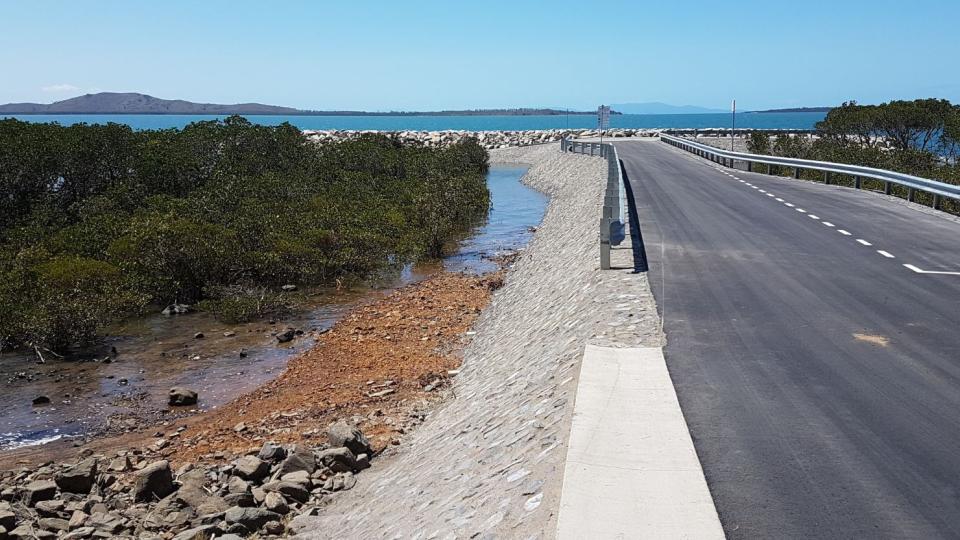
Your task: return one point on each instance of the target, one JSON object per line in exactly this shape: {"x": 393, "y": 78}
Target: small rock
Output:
{"x": 288, "y": 489}
{"x": 272, "y": 452}
{"x": 202, "y": 532}
{"x": 297, "y": 477}
{"x": 79, "y": 478}
{"x": 344, "y": 434}
{"x": 243, "y": 500}
{"x": 251, "y": 468}
{"x": 54, "y": 524}
{"x": 51, "y": 508}
{"x": 300, "y": 459}
{"x": 77, "y": 520}
{"x": 237, "y": 485}
{"x": 198, "y": 335}
{"x": 340, "y": 460}
{"x": 229, "y": 334}
{"x": 180, "y": 396}
{"x": 120, "y": 464}
{"x": 288, "y": 288}
{"x": 273, "y": 527}
{"x": 41, "y": 400}
{"x": 155, "y": 481}
{"x": 176, "y": 309}
{"x": 286, "y": 336}
{"x": 40, "y": 490}
{"x": 8, "y": 519}
{"x": 251, "y": 518}
{"x": 275, "y": 502}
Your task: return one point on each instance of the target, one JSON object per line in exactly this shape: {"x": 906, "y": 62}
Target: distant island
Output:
{"x": 656, "y": 107}
{"x": 797, "y": 109}
{"x": 134, "y": 103}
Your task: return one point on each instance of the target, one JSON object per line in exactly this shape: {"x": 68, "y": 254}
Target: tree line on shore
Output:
{"x": 920, "y": 137}
{"x": 101, "y": 222}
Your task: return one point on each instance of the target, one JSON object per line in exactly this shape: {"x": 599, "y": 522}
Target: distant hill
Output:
{"x": 133, "y": 103}
{"x": 662, "y": 108}
{"x": 797, "y": 109}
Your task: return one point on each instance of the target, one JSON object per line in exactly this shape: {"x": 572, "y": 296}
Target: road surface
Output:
{"x": 819, "y": 376}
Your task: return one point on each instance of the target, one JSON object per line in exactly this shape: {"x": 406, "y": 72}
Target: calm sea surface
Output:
{"x": 468, "y": 123}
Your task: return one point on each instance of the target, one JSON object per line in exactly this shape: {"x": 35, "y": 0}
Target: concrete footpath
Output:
{"x": 631, "y": 469}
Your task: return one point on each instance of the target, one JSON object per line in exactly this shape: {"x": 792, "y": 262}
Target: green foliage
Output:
{"x": 920, "y": 137}
{"x": 758, "y": 143}
{"x": 99, "y": 222}
{"x": 237, "y": 304}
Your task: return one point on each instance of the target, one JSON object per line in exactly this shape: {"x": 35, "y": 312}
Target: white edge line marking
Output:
{"x": 864, "y": 242}
{"x": 843, "y": 232}
{"x": 885, "y": 254}
{"x": 779, "y": 199}
{"x": 801, "y": 210}
{"x": 811, "y": 216}
{"x": 789, "y": 204}
{"x": 828, "y": 224}
{"x": 919, "y": 271}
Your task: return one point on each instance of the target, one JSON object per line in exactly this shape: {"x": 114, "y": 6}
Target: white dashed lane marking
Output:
{"x": 861, "y": 241}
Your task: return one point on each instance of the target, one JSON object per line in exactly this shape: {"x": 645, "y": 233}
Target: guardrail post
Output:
{"x": 856, "y": 182}
{"x": 911, "y": 194}
{"x": 749, "y": 166}
{"x": 936, "y": 202}
{"x": 826, "y": 177}
{"x": 887, "y": 188}
{"x": 796, "y": 172}
{"x": 605, "y": 237}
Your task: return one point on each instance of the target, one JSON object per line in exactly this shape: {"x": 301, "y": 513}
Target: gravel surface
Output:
{"x": 489, "y": 462}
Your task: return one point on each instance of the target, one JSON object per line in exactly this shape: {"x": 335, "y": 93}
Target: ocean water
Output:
{"x": 468, "y": 123}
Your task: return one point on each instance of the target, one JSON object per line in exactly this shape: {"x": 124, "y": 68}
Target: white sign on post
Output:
{"x": 603, "y": 117}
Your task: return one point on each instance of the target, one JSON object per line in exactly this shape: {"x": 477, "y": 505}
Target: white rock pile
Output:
{"x": 488, "y": 139}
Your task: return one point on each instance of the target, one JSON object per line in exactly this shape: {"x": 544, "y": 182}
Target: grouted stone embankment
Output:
{"x": 489, "y": 462}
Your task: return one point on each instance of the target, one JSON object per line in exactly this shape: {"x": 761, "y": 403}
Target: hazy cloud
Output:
{"x": 60, "y": 88}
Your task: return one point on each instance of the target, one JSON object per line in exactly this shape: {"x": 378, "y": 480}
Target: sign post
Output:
{"x": 733, "y": 123}
{"x": 603, "y": 119}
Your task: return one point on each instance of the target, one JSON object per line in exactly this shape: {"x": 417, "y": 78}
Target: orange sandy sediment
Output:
{"x": 401, "y": 342}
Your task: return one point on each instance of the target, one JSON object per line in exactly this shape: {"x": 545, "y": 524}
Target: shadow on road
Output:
{"x": 636, "y": 236}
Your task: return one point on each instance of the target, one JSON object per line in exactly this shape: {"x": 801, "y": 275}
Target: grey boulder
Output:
{"x": 155, "y": 481}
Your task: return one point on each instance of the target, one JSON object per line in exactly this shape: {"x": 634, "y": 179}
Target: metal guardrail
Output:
{"x": 613, "y": 216}
{"x": 889, "y": 178}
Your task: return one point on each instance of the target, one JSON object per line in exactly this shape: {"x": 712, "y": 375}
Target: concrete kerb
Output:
{"x": 631, "y": 469}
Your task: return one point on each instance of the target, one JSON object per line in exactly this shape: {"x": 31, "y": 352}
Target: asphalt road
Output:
{"x": 820, "y": 378}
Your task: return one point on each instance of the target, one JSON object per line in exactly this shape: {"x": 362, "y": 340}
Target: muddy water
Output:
{"x": 90, "y": 394}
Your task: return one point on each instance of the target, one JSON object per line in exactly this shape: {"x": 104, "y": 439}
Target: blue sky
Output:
{"x": 427, "y": 55}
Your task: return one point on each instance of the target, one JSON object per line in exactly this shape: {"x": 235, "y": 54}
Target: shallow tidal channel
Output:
{"x": 89, "y": 395}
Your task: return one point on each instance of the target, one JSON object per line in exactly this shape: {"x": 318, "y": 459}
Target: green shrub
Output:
{"x": 219, "y": 213}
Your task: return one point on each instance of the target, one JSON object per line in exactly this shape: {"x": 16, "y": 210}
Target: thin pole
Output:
{"x": 733, "y": 128}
